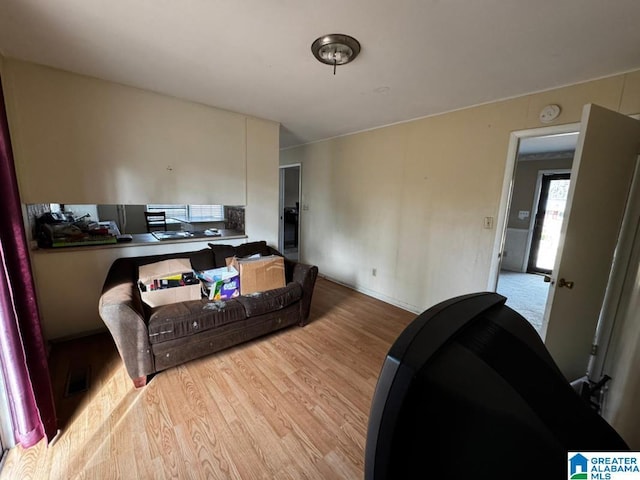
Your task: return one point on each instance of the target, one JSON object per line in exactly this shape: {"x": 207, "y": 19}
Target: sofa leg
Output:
{"x": 140, "y": 381}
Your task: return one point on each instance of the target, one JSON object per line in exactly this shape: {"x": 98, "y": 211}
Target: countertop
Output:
{"x": 140, "y": 239}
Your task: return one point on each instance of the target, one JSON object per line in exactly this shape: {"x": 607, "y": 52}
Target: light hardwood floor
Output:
{"x": 291, "y": 405}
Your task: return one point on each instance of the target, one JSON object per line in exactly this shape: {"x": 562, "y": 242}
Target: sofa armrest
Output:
{"x": 306, "y": 276}
{"x": 121, "y": 310}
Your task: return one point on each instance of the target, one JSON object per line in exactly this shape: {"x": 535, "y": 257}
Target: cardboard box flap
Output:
{"x": 164, "y": 268}
{"x": 259, "y": 274}
{"x": 165, "y": 296}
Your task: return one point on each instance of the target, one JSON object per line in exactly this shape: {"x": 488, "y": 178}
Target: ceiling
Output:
{"x": 418, "y": 58}
{"x": 562, "y": 142}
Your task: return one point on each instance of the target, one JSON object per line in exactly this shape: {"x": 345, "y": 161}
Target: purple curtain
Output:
{"x": 23, "y": 353}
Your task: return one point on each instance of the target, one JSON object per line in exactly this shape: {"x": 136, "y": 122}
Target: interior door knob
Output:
{"x": 563, "y": 283}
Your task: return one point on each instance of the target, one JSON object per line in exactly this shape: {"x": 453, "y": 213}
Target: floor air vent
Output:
{"x": 77, "y": 381}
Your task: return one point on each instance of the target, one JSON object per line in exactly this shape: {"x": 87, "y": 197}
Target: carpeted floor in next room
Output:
{"x": 526, "y": 293}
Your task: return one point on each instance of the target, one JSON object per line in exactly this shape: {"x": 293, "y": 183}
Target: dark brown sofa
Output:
{"x": 153, "y": 339}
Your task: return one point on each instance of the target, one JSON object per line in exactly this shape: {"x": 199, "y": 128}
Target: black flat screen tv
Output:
{"x": 468, "y": 390}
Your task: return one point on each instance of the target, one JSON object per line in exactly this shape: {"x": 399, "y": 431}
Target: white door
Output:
{"x": 602, "y": 172}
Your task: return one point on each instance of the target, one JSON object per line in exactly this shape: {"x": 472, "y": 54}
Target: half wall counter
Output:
{"x": 69, "y": 279}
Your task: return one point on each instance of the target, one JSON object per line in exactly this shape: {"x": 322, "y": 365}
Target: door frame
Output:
{"x": 281, "y": 206}
{"x": 507, "y": 191}
{"x": 618, "y": 295}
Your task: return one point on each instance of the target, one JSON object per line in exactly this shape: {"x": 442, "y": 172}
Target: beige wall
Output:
{"x": 409, "y": 200}
{"x": 261, "y": 212}
{"x": 82, "y": 140}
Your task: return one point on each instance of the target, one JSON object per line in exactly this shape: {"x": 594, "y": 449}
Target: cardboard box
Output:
{"x": 166, "y": 272}
{"x": 259, "y": 274}
{"x": 221, "y": 283}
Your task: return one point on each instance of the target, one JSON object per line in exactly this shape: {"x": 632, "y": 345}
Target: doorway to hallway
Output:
{"x": 534, "y": 217}
{"x": 290, "y": 196}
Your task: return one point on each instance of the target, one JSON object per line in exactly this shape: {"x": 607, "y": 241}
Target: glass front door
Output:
{"x": 548, "y": 222}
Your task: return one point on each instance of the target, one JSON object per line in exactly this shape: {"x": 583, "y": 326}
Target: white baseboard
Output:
{"x": 378, "y": 296}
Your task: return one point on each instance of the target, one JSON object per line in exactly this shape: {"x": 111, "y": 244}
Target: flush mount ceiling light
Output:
{"x": 335, "y": 49}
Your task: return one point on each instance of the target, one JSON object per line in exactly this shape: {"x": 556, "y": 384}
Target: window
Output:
{"x": 190, "y": 212}
{"x": 170, "y": 210}
{"x": 206, "y": 211}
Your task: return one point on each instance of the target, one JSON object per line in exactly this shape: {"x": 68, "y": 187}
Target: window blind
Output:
{"x": 189, "y": 212}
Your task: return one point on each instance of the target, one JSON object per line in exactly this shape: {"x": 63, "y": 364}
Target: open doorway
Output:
{"x": 590, "y": 255}
{"x": 289, "y": 231}
{"x": 534, "y": 216}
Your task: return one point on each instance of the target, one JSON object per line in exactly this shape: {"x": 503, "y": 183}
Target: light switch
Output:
{"x": 523, "y": 214}
{"x": 488, "y": 223}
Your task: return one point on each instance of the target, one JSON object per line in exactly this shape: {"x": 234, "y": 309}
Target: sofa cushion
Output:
{"x": 222, "y": 252}
{"x": 177, "y": 320}
{"x": 271, "y": 300}
{"x": 252, "y": 248}
{"x": 200, "y": 259}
